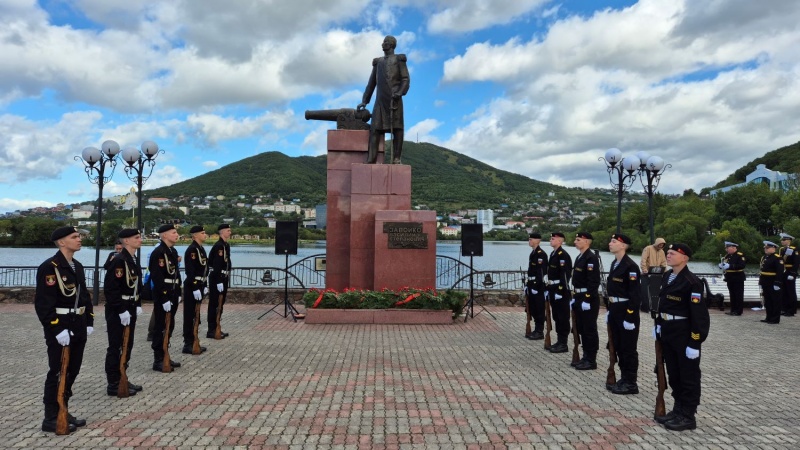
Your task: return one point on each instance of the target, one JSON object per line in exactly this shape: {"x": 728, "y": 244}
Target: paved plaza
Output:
{"x": 278, "y": 384}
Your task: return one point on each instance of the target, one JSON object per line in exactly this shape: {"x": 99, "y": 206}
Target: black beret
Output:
{"x": 534, "y": 236}
{"x": 223, "y": 226}
{"x": 584, "y": 235}
{"x": 196, "y": 229}
{"x": 558, "y": 234}
{"x": 62, "y": 232}
{"x": 622, "y": 238}
{"x": 166, "y": 227}
{"x": 128, "y": 232}
{"x": 683, "y": 249}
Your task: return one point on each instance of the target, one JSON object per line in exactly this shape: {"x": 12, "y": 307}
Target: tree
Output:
{"x": 752, "y": 202}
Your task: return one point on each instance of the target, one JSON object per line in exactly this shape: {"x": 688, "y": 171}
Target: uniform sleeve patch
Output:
{"x": 633, "y": 276}
{"x": 160, "y": 262}
{"x": 696, "y": 336}
{"x": 193, "y": 255}
{"x": 220, "y": 252}
{"x": 50, "y": 280}
{"x": 590, "y": 267}
{"x": 696, "y": 296}
{"x": 118, "y": 272}
{"x": 562, "y": 262}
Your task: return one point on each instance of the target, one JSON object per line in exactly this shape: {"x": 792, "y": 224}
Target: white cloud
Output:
{"x": 471, "y": 15}
{"x": 421, "y": 131}
{"x": 14, "y": 204}
{"x": 164, "y": 176}
{"x": 210, "y": 164}
{"x": 581, "y": 89}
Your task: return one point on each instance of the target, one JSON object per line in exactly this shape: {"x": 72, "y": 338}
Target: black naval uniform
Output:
{"x": 537, "y": 267}
{"x": 734, "y": 277}
{"x": 559, "y": 272}
{"x": 771, "y": 281}
{"x": 165, "y": 276}
{"x": 122, "y": 285}
{"x": 196, "y": 264}
{"x": 220, "y": 264}
{"x": 684, "y": 322}
{"x": 624, "y": 299}
{"x": 790, "y": 262}
{"x": 62, "y": 302}
{"x": 586, "y": 282}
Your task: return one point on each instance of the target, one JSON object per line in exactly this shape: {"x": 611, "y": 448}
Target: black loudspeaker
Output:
{"x": 472, "y": 239}
{"x": 286, "y": 237}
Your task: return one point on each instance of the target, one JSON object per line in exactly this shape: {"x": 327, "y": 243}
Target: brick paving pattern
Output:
{"x": 278, "y": 384}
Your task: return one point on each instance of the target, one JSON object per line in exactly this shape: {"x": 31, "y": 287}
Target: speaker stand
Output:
{"x": 469, "y": 308}
{"x": 287, "y": 305}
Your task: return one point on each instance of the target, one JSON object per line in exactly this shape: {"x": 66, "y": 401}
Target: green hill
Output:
{"x": 784, "y": 159}
{"x": 441, "y": 178}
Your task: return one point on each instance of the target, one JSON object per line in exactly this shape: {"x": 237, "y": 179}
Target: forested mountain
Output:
{"x": 441, "y": 179}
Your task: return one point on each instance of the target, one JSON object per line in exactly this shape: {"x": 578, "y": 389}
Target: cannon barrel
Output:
{"x": 345, "y": 118}
{"x": 333, "y": 115}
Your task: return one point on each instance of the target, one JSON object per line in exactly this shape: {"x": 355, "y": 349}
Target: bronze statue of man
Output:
{"x": 390, "y": 78}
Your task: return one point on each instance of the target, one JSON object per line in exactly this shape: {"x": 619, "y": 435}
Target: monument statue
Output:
{"x": 390, "y": 78}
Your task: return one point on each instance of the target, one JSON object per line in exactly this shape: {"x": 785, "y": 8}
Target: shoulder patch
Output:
{"x": 50, "y": 280}
{"x": 633, "y": 276}
{"x": 696, "y": 296}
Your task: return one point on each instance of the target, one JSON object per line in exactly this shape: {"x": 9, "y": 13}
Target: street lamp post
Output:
{"x": 650, "y": 171}
{"x": 622, "y": 174}
{"x": 94, "y": 162}
{"x": 137, "y": 164}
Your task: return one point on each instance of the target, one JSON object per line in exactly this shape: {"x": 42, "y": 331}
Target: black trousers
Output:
{"x": 683, "y": 374}
{"x": 190, "y": 307}
{"x": 789, "y": 295}
{"x": 772, "y": 303}
{"x": 216, "y": 300}
{"x": 114, "y": 350}
{"x": 77, "y": 344}
{"x": 536, "y": 307}
{"x": 160, "y": 325}
{"x": 625, "y": 343}
{"x": 736, "y": 291}
{"x": 586, "y": 324}
{"x": 560, "y": 311}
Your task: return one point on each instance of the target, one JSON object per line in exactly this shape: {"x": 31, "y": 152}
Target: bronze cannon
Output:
{"x": 345, "y": 118}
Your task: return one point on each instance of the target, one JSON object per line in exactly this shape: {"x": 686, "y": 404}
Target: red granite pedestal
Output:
{"x": 358, "y": 253}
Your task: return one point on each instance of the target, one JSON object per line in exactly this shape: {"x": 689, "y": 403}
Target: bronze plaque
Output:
{"x": 406, "y": 235}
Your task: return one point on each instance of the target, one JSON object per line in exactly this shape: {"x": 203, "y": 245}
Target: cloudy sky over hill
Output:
{"x": 537, "y": 87}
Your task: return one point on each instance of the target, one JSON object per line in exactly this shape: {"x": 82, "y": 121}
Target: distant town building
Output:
{"x": 777, "y": 181}
{"x": 485, "y": 217}
{"x": 322, "y": 216}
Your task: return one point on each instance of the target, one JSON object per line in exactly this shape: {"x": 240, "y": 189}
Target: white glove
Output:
{"x": 571, "y": 302}
{"x": 197, "y": 295}
{"x": 607, "y": 313}
{"x": 585, "y": 306}
{"x": 139, "y": 311}
{"x": 167, "y": 306}
{"x": 776, "y": 287}
{"x": 534, "y": 291}
{"x": 557, "y": 297}
{"x": 790, "y": 277}
{"x": 628, "y": 326}
{"x": 656, "y": 331}
{"x": 180, "y": 299}
{"x": 89, "y": 331}
{"x": 205, "y": 290}
{"x": 63, "y": 338}
{"x": 125, "y": 319}
{"x": 692, "y": 353}
{"x": 525, "y": 290}
{"x": 721, "y": 265}
{"x": 220, "y": 287}
{"x": 726, "y": 266}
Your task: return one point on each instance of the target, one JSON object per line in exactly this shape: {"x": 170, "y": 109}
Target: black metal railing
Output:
{"x": 303, "y": 274}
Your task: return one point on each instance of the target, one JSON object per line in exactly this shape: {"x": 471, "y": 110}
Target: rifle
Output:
{"x": 576, "y": 339}
{"x": 166, "y": 365}
{"x": 611, "y": 375}
{"x": 218, "y": 330}
{"x": 661, "y": 410}
{"x": 196, "y": 345}
{"x": 62, "y": 422}
{"x": 122, "y": 389}
{"x": 548, "y": 321}
{"x": 527, "y": 308}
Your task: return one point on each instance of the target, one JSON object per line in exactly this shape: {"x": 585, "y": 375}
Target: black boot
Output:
{"x": 586, "y": 364}
{"x": 681, "y": 422}
{"x": 72, "y": 419}
{"x": 113, "y": 389}
{"x": 559, "y": 347}
{"x": 50, "y": 418}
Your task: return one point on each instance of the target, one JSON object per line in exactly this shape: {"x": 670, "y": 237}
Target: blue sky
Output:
{"x": 537, "y": 87}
